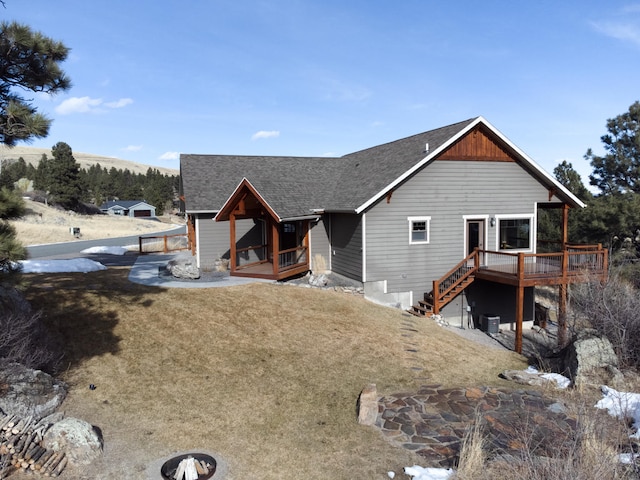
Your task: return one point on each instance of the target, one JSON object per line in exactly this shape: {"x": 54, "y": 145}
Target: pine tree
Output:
{"x": 28, "y": 61}
{"x": 11, "y": 207}
{"x": 64, "y": 181}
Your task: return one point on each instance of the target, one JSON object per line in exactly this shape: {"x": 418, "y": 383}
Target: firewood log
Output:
{"x": 52, "y": 466}
{"x": 180, "y": 471}
{"x": 51, "y": 459}
{"x": 35, "y": 454}
{"x": 60, "y": 467}
{"x": 5, "y": 421}
{"x": 43, "y": 459}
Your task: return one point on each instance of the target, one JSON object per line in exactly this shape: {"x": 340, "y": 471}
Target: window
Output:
{"x": 515, "y": 234}
{"x": 419, "y": 230}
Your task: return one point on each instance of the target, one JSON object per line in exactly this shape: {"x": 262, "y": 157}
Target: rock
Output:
{"x": 25, "y": 392}
{"x": 184, "y": 268}
{"x": 368, "y": 405}
{"x": 221, "y": 265}
{"x": 590, "y": 356}
{"x": 318, "y": 280}
{"x": 77, "y": 438}
{"x": 524, "y": 378}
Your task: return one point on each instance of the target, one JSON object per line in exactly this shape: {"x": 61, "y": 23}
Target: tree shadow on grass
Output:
{"x": 78, "y": 308}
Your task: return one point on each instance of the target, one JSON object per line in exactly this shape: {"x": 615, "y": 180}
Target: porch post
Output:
{"x": 519, "y": 318}
{"x": 232, "y": 239}
{"x": 563, "y": 295}
{"x": 275, "y": 241}
{"x": 519, "y": 304}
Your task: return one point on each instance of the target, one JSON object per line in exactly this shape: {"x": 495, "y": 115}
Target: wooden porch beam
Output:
{"x": 563, "y": 296}
{"x": 565, "y": 225}
{"x": 232, "y": 240}
{"x": 275, "y": 241}
{"x": 519, "y": 318}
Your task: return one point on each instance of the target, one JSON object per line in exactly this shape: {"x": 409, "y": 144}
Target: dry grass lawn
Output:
{"x": 267, "y": 376}
{"x": 42, "y": 224}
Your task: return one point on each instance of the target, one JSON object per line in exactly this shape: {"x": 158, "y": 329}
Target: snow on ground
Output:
{"x": 561, "y": 380}
{"x": 621, "y": 405}
{"x": 75, "y": 265}
{"x": 107, "y": 250}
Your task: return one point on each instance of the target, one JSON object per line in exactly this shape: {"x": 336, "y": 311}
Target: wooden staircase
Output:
{"x": 448, "y": 287}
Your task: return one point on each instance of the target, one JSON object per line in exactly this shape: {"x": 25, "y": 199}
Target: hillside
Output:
{"x": 32, "y": 155}
{"x": 43, "y": 224}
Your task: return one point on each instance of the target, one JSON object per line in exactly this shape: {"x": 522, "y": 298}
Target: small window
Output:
{"x": 515, "y": 234}
{"x": 419, "y": 230}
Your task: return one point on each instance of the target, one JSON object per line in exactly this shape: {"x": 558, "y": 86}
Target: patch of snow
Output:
{"x": 421, "y": 473}
{"x": 107, "y": 250}
{"x": 621, "y": 405}
{"x": 561, "y": 380}
{"x": 74, "y": 265}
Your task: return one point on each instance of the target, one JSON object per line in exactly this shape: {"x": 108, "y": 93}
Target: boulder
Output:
{"x": 318, "y": 280}
{"x": 25, "y": 392}
{"x": 368, "y": 405}
{"x": 184, "y": 268}
{"x": 590, "y": 357}
{"x": 79, "y": 440}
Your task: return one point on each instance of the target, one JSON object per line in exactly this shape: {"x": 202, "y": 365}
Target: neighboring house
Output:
{"x": 129, "y": 208}
{"x": 443, "y": 222}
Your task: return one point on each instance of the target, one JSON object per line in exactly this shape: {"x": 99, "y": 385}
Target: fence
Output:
{"x": 164, "y": 244}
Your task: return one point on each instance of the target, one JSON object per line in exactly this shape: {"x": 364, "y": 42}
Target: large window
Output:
{"x": 419, "y": 229}
{"x": 515, "y": 234}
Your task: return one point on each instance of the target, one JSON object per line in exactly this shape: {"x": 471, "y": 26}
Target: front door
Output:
{"x": 475, "y": 235}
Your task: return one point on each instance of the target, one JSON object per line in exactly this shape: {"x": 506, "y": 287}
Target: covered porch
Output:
{"x": 283, "y": 251}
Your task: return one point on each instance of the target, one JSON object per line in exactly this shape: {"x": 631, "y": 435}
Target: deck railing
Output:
{"x": 573, "y": 260}
{"x": 292, "y": 257}
{"x": 250, "y": 256}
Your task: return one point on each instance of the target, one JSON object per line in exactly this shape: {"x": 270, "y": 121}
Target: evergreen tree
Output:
{"x": 63, "y": 176}
{"x": 11, "y": 207}
{"x": 28, "y": 61}
{"x": 618, "y": 171}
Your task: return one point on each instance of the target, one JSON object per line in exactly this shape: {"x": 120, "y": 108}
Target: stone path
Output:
{"x": 433, "y": 421}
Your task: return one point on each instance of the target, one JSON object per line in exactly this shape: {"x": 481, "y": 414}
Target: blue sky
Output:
{"x": 155, "y": 78}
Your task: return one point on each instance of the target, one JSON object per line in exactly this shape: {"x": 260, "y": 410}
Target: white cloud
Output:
{"x": 265, "y": 134}
{"x": 89, "y": 105}
{"x": 627, "y": 32}
{"x": 78, "y": 105}
{"x": 169, "y": 156}
{"x": 132, "y": 148}
{"x": 123, "y": 102}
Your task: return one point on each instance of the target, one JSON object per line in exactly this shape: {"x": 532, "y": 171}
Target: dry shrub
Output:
{"x": 612, "y": 309}
{"x": 592, "y": 455}
{"x": 471, "y": 465}
{"x": 23, "y": 336}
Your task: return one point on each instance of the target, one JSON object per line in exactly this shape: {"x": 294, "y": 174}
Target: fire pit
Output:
{"x": 206, "y": 468}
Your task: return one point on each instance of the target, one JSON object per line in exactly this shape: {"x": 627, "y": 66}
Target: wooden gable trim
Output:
{"x": 478, "y": 145}
{"x": 236, "y": 204}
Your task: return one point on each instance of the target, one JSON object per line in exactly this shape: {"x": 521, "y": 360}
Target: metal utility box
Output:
{"x": 490, "y": 323}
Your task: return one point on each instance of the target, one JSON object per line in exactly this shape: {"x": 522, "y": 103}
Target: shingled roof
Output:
{"x": 299, "y": 186}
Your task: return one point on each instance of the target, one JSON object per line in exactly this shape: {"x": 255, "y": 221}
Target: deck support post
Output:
{"x": 563, "y": 296}
{"x": 436, "y": 297}
{"x": 519, "y": 303}
{"x": 275, "y": 242}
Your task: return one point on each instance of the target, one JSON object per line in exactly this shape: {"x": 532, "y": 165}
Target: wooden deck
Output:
{"x": 573, "y": 265}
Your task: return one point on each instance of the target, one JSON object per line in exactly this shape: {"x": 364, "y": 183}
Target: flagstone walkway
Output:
{"x": 433, "y": 421}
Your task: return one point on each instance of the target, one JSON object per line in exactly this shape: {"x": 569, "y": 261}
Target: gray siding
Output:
{"x": 320, "y": 246}
{"x": 213, "y": 238}
{"x": 346, "y": 245}
{"x": 446, "y": 191}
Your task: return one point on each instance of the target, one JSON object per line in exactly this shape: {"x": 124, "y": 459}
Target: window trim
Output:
{"x": 532, "y": 231}
{"x": 420, "y": 219}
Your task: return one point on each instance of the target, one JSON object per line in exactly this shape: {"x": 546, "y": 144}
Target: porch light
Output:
{"x": 492, "y": 222}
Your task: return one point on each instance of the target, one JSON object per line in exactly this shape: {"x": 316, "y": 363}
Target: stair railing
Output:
{"x": 453, "y": 278}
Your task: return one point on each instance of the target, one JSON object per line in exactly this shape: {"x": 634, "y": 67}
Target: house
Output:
{"x": 129, "y": 208}
{"x": 443, "y": 222}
